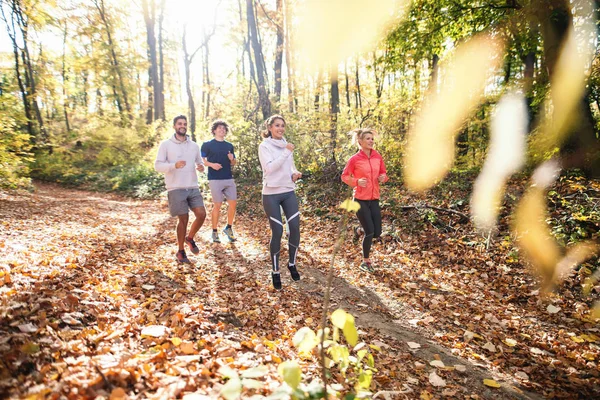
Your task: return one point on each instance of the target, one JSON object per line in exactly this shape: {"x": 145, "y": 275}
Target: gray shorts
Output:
{"x": 181, "y": 200}
{"x": 221, "y": 189}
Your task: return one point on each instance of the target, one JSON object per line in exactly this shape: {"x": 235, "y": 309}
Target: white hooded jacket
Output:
{"x": 277, "y": 164}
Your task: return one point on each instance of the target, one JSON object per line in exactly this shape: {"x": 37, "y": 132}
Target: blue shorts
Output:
{"x": 181, "y": 200}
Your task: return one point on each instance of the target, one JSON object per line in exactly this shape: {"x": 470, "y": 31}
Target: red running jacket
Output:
{"x": 362, "y": 166}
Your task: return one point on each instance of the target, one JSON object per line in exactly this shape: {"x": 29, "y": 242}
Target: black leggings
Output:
{"x": 289, "y": 203}
{"x": 369, "y": 216}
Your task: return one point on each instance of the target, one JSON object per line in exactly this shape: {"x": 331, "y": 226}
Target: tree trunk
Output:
{"x": 22, "y": 88}
{"x": 317, "y": 100}
{"x": 357, "y": 94}
{"x": 153, "y": 80}
{"x": 582, "y": 148}
{"x": 187, "y": 61}
{"x": 28, "y": 83}
{"x": 433, "y": 83}
{"x": 207, "y": 82}
{"x": 114, "y": 59}
{"x": 289, "y": 62}
{"x": 334, "y": 109}
{"x": 347, "y": 84}
{"x": 160, "y": 102}
{"x": 263, "y": 95}
{"x": 278, "y": 49}
{"x": 528, "y": 87}
{"x": 64, "y": 80}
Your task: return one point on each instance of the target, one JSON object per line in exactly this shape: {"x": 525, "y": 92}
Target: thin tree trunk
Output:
{"x": 24, "y": 96}
{"x": 358, "y": 95}
{"x": 22, "y": 86}
{"x": 334, "y": 109}
{"x": 317, "y": 101}
{"x": 263, "y": 96}
{"x": 278, "y": 49}
{"x": 288, "y": 57}
{"x": 207, "y": 82}
{"x": 64, "y": 80}
{"x": 29, "y": 76}
{"x": 187, "y": 61}
{"x": 114, "y": 59}
{"x": 160, "y": 103}
{"x": 434, "y": 73}
{"x": 347, "y": 84}
{"x": 153, "y": 80}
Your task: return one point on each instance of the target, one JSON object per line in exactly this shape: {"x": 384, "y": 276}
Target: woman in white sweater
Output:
{"x": 279, "y": 182}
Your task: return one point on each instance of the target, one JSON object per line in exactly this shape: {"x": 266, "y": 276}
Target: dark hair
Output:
{"x": 269, "y": 122}
{"x": 178, "y": 118}
{"x": 216, "y": 123}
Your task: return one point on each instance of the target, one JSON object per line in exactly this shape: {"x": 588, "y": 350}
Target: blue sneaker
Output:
{"x": 229, "y": 233}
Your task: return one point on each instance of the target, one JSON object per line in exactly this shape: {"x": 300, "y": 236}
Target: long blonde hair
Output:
{"x": 360, "y": 133}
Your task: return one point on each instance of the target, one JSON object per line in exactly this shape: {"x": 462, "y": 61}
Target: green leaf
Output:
{"x": 361, "y": 354}
{"x": 291, "y": 373}
{"x": 350, "y": 205}
{"x": 374, "y": 347}
{"x": 370, "y": 361}
{"x": 256, "y": 372}
{"x": 364, "y": 379}
{"x": 339, "y": 353}
{"x": 232, "y": 389}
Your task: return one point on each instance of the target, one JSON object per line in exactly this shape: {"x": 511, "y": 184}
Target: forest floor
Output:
{"x": 84, "y": 275}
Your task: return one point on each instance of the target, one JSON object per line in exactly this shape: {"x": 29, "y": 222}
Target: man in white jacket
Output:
{"x": 178, "y": 158}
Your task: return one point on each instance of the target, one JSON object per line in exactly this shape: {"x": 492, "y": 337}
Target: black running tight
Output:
{"x": 289, "y": 203}
{"x": 369, "y": 216}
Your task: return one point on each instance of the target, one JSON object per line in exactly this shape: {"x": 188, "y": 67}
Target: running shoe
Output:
{"x": 276, "y": 280}
{"x": 366, "y": 266}
{"x": 294, "y": 272}
{"x": 215, "y": 237}
{"x": 229, "y": 233}
{"x": 182, "y": 258}
{"x": 193, "y": 248}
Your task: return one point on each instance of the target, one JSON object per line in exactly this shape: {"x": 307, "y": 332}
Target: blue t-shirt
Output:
{"x": 216, "y": 152}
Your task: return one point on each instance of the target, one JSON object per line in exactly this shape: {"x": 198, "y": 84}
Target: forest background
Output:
{"x": 88, "y": 89}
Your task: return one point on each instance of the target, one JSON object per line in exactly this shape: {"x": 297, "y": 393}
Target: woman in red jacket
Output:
{"x": 364, "y": 172}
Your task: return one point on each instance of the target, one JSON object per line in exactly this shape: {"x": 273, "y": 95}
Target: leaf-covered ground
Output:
{"x": 93, "y": 304}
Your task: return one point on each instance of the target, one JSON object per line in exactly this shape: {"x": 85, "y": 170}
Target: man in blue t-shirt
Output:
{"x": 219, "y": 157}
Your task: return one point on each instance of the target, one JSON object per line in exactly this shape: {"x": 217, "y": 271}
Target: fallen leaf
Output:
{"x": 154, "y": 330}
{"x": 552, "y": 309}
{"x": 28, "y": 328}
{"x": 489, "y": 347}
{"x": 491, "y": 383}
{"x": 435, "y": 380}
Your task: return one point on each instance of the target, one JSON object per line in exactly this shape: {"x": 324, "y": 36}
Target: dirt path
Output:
{"x": 85, "y": 273}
